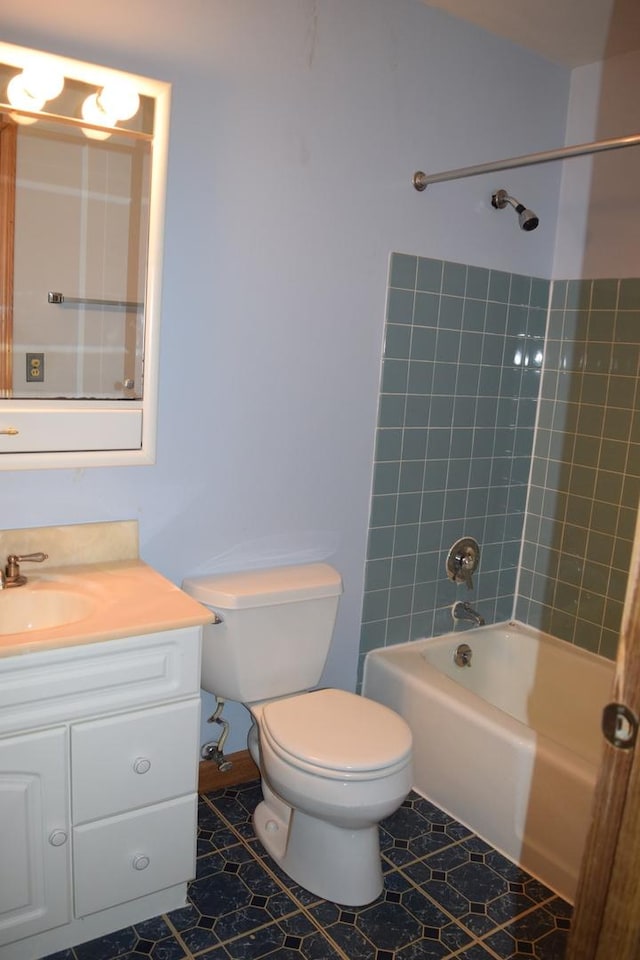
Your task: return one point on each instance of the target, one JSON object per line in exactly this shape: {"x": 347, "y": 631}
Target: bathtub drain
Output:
{"x": 462, "y": 656}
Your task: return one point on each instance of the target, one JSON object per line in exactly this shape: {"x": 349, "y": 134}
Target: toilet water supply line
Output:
{"x": 213, "y": 749}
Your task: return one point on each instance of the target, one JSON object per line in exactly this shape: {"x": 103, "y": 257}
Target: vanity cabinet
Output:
{"x": 98, "y": 787}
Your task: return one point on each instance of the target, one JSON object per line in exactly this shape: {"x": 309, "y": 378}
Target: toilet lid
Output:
{"x": 337, "y": 730}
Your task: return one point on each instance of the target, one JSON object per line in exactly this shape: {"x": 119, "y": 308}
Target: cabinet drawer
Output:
{"x": 134, "y": 759}
{"x": 134, "y": 854}
{"x": 50, "y": 428}
{"x": 60, "y": 685}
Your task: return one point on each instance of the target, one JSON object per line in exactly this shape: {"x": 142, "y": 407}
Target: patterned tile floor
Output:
{"x": 447, "y": 894}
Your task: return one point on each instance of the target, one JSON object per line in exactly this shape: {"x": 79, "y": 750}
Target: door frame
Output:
{"x": 606, "y": 921}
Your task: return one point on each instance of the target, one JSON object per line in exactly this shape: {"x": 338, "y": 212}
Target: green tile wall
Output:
{"x": 461, "y": 373}
{"x": 585, "y": 479}
{"x": 463, "y": 355}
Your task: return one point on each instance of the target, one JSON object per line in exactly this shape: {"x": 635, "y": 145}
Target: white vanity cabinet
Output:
{"x": 98, "y": 787}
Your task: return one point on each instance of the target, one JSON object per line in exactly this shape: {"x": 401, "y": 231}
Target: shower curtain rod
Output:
{"x": 422, "y": 180}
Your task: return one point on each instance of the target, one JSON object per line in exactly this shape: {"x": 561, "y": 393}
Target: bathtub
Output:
{"x": 510, "y": 745}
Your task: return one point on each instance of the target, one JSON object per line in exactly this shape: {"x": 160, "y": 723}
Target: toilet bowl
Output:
{"x": 333, "y": 765}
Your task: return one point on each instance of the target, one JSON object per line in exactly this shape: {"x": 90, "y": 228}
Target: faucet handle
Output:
{"x": 36, "y": 557}
{"x": 12, "y": 570}
{"x": 463, "y": 560}
{"x": 465, "y": 566}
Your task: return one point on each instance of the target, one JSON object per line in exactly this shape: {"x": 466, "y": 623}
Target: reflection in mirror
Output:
{"x": 82, "y": 170}
{"x": 79, "y": 252}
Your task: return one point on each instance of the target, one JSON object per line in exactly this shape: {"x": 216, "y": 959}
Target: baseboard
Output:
{"x": 242, "y": 771}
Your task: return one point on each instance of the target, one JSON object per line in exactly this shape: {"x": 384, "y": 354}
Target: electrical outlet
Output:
{"x": 35, "y": 367}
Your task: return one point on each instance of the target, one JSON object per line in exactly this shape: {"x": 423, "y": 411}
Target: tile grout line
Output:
{"x": 247, "y": 846}
{"x": 498, "y": 926}
{"x": 177, "y": 936}
{"x": 300, "y": 906}
{"x": 475, "y": 941}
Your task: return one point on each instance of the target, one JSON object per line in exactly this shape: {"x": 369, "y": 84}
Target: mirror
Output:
{"x": 78, "y": 256}
{"x": 82, "y": 182}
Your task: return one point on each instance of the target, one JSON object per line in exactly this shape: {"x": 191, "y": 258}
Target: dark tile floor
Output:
{"x": 447, "y": 894}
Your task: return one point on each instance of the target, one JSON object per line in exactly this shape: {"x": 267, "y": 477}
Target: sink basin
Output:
{"x": 40, "y": 608}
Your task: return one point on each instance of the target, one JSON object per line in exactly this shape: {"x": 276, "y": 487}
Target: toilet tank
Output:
{"x": 275, "y": 630}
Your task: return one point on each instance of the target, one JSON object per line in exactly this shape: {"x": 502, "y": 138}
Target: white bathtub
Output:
{"x": 511, "y": 745}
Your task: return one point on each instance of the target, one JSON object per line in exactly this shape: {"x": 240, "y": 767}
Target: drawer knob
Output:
{"x": 141, "y": 862}
{"x": 141, "y": 765}
{"x": 57, "y": 838}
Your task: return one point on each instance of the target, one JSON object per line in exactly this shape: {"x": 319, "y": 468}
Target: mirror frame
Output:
{"x": 49, "y": 416}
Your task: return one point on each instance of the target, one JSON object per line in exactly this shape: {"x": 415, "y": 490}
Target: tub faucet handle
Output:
{"x": 465, "y": 566}
{"x": 463, "y": 560}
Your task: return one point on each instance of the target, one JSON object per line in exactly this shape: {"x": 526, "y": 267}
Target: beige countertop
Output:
{"x": 126, "y": 598}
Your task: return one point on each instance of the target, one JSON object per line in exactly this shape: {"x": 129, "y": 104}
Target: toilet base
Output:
{"x": 334, "y": 863}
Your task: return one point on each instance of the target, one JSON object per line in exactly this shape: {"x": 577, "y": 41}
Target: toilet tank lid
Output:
{"x": 265, "y": 587}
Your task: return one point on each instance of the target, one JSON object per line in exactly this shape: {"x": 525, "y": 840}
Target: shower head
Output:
{"x": 526, "y": 218}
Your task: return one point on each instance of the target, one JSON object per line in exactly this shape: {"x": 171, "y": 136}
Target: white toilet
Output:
{"x": 333, "y": 764}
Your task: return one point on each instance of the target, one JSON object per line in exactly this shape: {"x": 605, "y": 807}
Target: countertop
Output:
{"x": 130, "y": 599}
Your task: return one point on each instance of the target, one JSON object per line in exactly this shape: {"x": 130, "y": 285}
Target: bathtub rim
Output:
{"x": 515, "y": 626}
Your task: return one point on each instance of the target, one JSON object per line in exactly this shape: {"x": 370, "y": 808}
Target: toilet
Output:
{"x": 332, "y": 763}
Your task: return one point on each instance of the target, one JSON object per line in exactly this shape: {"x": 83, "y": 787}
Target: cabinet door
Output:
{"x": 34, "y": 834}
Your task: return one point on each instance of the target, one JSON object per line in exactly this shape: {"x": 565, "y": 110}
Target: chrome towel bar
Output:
{"x": 55, "y": 296}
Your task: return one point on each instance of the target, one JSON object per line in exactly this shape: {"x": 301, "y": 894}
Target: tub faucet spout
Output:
{"x": 464, "y": 611}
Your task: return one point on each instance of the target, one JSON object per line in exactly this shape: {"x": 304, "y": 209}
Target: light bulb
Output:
{"x": 21, "y": 98}
{"x": 22, "y": 118}
{"x": 95, "y": 134}
{"x": 42, "y": 82}
{"x": 31, "y": 89}
{"x": 119, "y": 99}
{"x": 93, "y": 113}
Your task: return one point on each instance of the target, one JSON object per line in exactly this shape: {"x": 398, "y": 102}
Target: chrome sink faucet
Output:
{"x": 12, "y": 576}
{"x": 464, "y": 611}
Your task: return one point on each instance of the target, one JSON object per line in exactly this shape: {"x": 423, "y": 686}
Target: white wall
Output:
{"x": 598, "y": 225}
{"x": 296, "y": 128}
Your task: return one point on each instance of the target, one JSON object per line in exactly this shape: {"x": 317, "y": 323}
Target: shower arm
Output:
{"x": 422, "y": 180}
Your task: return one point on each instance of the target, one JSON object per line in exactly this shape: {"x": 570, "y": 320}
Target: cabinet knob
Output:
{"x": 141, "y": 765}
{"x": 57, "y": 838}
{"x": 141, "y": 862}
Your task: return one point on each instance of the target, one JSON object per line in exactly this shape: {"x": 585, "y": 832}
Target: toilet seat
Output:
{"x": 336, "y": 734}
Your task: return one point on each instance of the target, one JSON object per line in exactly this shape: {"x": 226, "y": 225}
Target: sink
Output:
{"x": 41, "y": 607}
